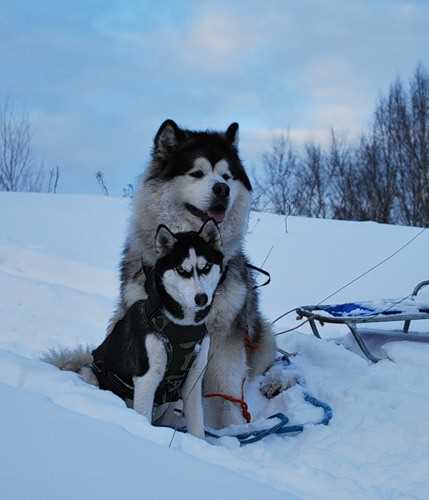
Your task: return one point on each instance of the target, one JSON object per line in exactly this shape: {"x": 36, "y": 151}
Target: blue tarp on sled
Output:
{"x": 351, "y": 314}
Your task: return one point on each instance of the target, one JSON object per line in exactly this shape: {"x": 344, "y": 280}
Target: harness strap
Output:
{"x": 262, "y": 271}
{"x": 244, "y": 406}
{"x": 109, "y": 380}
{"x": 112, "y": 382}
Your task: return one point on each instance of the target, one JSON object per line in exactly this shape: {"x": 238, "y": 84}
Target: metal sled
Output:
{"x": 370, "y": 340}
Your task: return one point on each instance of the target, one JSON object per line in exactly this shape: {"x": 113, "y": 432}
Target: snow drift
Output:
{"x": 64, "y": 439}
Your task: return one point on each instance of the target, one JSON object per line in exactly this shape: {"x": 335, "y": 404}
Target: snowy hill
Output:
{"x": 64, "y": 439}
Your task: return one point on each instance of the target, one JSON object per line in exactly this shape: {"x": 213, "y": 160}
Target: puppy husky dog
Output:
{"x": 193, "y": 176}
{"x": 158, "y": 351}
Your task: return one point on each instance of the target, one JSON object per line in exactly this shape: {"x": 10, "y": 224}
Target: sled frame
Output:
{"x": 315, "y": 315}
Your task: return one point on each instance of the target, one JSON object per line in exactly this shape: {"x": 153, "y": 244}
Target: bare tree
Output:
{"x": 54, "y": 177}
{"x": 128, "y": 191}
{"x": 19, "y": 170}
{"x": 101, "y": 182}
{"x": 400, "y": 147}
{"x": 377, "y": 177}
{"x": 274, "y": 187}
{"x": 412, "y": 140}
{"x": 312, "y": 183}
{"x": 382, "y": 177}
{"x": 257, "y": 204}
{"x": 344, "y": 196}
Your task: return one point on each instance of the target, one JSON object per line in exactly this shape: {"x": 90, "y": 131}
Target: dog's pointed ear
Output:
{"x": 209, "y": 232}
{"x": 168, "y": 138}
{"x": 164, "y": 240}
{"x": 231, "y": 134}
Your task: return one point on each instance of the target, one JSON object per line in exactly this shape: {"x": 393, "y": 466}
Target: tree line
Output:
{"x": 20, "y": 170}
{"x": 383, "y": 176}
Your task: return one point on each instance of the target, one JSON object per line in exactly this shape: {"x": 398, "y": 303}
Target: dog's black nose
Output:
{"x": 201, "y": 299}
{"x": 221, "y": 189}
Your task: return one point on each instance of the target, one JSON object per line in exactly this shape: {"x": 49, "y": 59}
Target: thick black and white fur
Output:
{"x": 188, "y": 270}
{"x": 193, "y": 176}
{"x": 186, "y": 274}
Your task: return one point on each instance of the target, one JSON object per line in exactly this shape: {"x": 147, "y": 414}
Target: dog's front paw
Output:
{"x": 276, "y": 381}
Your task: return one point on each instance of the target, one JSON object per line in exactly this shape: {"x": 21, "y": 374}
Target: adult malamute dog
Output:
{"x": 193, "y": 176}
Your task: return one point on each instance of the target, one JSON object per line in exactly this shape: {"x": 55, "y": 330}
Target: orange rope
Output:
{"x": 249, "y": 344}
{"x": 244, "y": 407}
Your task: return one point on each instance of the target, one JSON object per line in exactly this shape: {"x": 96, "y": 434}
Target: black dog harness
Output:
{"x": 181, "y": 342}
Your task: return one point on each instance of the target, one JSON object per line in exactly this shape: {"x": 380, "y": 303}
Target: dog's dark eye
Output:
{"x": 197, "y": 174}
{"x": 226, "y": 177}
{"x": 183, "y": 272}
{"x": 206, "y": 268}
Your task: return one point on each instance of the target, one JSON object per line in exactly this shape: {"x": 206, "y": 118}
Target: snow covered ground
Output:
{"x": 61, "y": 438}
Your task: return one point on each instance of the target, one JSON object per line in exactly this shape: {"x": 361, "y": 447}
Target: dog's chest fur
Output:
{"x": 229, "y": 300}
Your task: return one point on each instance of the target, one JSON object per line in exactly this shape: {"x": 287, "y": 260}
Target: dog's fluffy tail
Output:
{"x": 69, "y": 359}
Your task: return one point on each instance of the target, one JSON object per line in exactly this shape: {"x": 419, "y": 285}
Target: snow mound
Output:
{"x": 62, "y": 438}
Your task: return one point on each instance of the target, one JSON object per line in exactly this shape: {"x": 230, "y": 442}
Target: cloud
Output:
{"x": 338, "y": 96}
{"x": 254, "y": 142}
{"x": 99, "y": 78}
{"x": 217, "y": 41}
{"x": 213, "y": 39}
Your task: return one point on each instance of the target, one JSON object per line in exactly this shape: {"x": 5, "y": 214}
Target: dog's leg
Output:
{"x": 193, "y": 392}
{"x": 225, "y": 374}
{"x": 261, "y": 361}
{"x": 146, "y": 385}
{"x": 264, "y": 354}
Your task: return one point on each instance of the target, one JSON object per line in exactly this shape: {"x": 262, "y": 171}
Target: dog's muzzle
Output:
{"x": 216, "y": 211}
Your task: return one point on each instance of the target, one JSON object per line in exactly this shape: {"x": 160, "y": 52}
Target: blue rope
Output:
{"x": 282, "y": 427}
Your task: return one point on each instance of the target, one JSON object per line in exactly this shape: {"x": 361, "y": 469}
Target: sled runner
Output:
{"x": 369, "y": 339}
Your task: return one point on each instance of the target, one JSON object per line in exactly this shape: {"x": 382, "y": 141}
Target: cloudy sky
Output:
{"x": 97, "y": 77}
